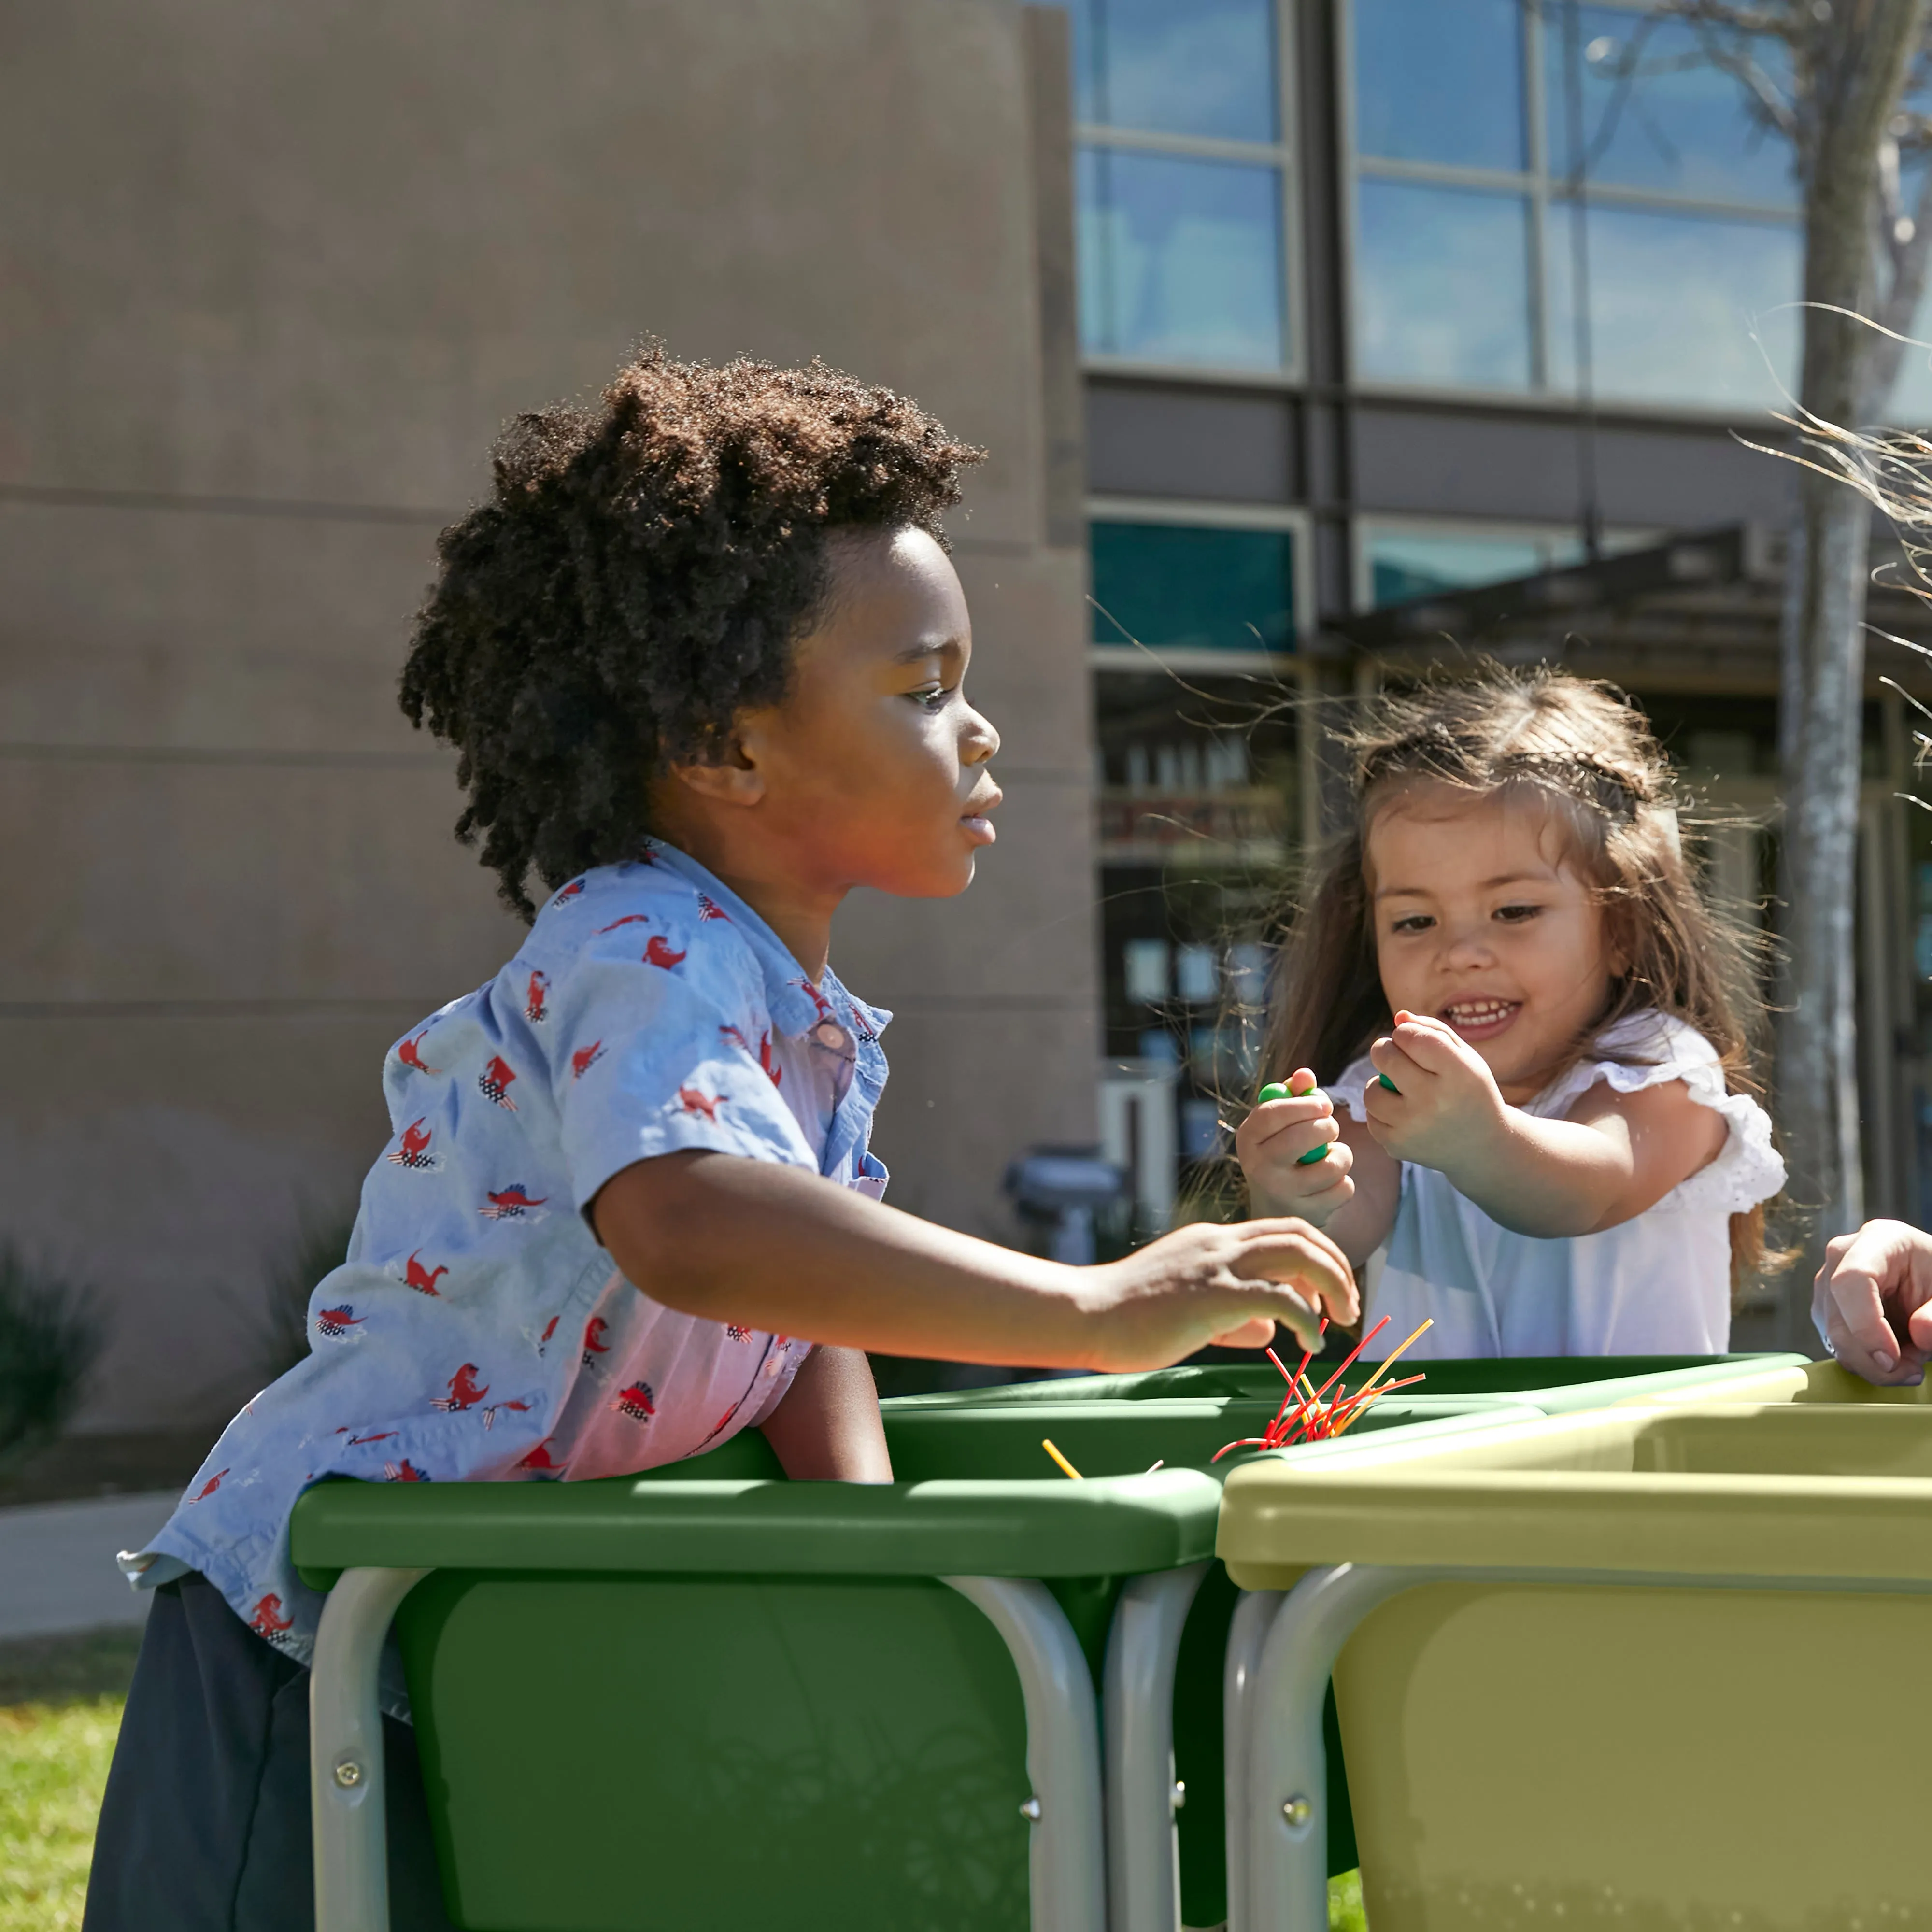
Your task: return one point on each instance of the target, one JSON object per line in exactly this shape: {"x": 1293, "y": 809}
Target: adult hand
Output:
{"x": 1442, "y": 1105}
{"x": 1872, "y": 1302}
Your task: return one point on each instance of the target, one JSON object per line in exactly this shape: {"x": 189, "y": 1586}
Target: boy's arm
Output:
{"x": 1614, "y": 1157}
{"x": 827, "y": 1428}
{"x": 767, "y": 1246}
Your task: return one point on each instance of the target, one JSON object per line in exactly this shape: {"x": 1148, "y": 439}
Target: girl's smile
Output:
{"x": 1483, "y": 921}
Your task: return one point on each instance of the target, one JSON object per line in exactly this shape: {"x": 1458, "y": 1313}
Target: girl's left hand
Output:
{"x": 1445, "y": 1105}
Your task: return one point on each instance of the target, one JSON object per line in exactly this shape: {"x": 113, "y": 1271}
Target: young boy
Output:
{"x": 703, "y": 655}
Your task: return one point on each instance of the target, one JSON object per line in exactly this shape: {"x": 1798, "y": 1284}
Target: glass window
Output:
{"x": 1440, "y": 80}
{"x": 1442, "y": 285}
{"x": 1177, "y": 67}
{"x": 1674, "y": 302}
{"x": 1657, "y": 114}
{"x": 1401, "y": 567}
{"x": 1176, "y": 586}
{"x": 1179, "y": 260}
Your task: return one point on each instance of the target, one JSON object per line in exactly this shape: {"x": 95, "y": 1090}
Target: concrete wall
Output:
{"x": 270, "y": 278}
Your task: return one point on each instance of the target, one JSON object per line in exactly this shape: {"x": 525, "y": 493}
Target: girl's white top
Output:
{"x": 1658, "y": 1284}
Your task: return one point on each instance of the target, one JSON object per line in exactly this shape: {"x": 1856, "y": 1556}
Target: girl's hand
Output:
{"x": 1441, "y": 1106}
{"x": 1208, "y": 1282}
{"x": 1272, "y": 1145}
{"x": 1872, "y": 1302}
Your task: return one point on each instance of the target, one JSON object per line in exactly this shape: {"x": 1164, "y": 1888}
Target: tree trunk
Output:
{"x": 1858, "y": 62}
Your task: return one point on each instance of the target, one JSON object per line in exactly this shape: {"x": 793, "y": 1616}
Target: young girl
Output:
{"x": 703, "y": 655}
{"x": 1539, "y": 1117}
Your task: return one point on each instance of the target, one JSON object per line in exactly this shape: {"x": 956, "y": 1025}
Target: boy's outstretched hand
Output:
{"x": 1227, "y": 1284}
{"x": 1441, "y": 1105}
{"x": 1872, "y": 1301}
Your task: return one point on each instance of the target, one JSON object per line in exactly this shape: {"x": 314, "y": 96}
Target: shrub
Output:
{"x": 50, "y": 1336}
{"x": 281, "y": 1322}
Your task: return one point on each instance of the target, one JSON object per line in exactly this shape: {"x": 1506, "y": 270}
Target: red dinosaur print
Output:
{"x": 410, "y": 1053}
{"x": 817, "y": 999}
{"x": 693, "y": 1101}
{"x": 336, "y": 1322}
{"x": 658, "y": 952}
{"x": 208, "y": 1488}
{"x": 570, "y": 892}
{"x": 512, "y": 1204}
{"x": 404, "y": 1471}
{"x": 585, "y": 1058}
{"x": 381, "y": 1435}
{"x": 736, "y": 1035}
{"x": 765, "y": 1059}
{"x": 594, "y": 1344}
{"x": 541, "y": 1459}
{"x": 414, "y": 1151}
{"x": 463, "y": 1392}
{"x": 709, "y": 908}
{"x": 638, "y": 1402}
{"x": 493, "y": 1082}
{"x": 534, "y": 1010}
{"x": 629, "y": 918}
{"x": 737, "y": 1333}
{"x": 550, "y": 1329}
{"x": 490, "y": 1413}
{"x": 422, "y": 1279}
{"x": 267, "y": 1620}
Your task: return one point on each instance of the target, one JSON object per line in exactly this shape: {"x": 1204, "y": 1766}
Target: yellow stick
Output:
{"x": 1387, "y": 1362}
{"x": 1066, "y": 1469}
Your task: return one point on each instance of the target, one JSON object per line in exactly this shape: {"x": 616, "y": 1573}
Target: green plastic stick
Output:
{"x": 1275, "y": 1090}
{"x": 1388, "y": 1083}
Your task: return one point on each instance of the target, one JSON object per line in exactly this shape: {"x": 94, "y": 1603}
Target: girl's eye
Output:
{"x": 1413, "y": 921}
{"x": 1515, "y": 915}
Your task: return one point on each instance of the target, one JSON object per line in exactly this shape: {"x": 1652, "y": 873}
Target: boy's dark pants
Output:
{"x": 206, "y": 1824}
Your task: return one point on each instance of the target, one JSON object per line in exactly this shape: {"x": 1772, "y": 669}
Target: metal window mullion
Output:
{"x": 1189, "y": 147}
{"x": 1287, "y": 187}
{"x": 1537, "y": 133}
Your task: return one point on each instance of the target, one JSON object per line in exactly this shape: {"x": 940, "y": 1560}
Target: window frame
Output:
{"x": 1282, "y": 155}
{"x": 1371, "y": 524}
{"x": 1195, "y": 514}
{"x": 1539, "y": 185}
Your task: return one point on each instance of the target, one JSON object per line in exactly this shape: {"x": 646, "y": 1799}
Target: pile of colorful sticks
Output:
{"x": 1307, "y": 1414}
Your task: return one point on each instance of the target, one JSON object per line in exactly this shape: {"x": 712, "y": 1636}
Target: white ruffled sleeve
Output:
{"x": 1347, "y": 1089}
{"x": 1746, "y": 1170}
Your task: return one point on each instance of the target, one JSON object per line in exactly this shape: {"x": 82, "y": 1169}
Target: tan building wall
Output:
{"x": 270, "y": 279}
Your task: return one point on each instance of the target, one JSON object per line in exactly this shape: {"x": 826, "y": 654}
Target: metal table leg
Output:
{"x": 1143, "y": 1856}
{"x": 1067, "y": 1866}
{"x": 351, "y": 1851}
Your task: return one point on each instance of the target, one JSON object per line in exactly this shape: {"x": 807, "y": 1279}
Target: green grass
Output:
{"x": 1345, "y": 1904}
{"x": 60, "y": 1707}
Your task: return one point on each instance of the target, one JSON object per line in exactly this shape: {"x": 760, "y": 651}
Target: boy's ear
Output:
{"x": 733, "y": 778}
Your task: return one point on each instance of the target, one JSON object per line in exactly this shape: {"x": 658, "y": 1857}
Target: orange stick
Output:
{"x": 1348, "y": 1359}
{"x": 1388, "y": 1361}
{"x": 1369, "y": 1398}
{"x": 1066, "y": 1469}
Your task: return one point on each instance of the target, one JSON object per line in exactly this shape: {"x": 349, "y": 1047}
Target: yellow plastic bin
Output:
{"x": 1650, "y": 1667}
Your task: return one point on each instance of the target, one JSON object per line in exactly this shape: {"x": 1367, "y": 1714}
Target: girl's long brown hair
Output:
{"x": 1586, "y": 750}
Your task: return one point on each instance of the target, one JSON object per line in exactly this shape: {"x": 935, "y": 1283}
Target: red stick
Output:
{"x": 1349, "y": 1358}
{"x": 1368, "y": 1398}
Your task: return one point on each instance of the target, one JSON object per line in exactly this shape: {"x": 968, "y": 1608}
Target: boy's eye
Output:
{"x": 932, "y": 696}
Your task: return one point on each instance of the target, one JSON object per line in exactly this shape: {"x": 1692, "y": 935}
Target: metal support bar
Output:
{"x": 1067, "y": 1864}
{"x": 352, "y": 1849}
{"x": 1254, "y": 1616}
{"x": 1143, "y": 1852}
{"x": 1284, "y": 1824}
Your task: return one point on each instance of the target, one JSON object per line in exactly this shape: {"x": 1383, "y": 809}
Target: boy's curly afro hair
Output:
{"x": 640, "y": 574}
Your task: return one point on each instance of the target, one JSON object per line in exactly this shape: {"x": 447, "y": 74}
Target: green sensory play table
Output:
{"x": 707, "y": 1695}
{"x": 1644, "y": 1665}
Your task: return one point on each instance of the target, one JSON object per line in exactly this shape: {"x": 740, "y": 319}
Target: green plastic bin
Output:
{"x": 840, "y": 1725}
{"x": 1641, "y": 1665}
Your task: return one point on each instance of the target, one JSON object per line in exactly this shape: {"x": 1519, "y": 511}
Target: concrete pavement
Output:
{"x": 57, "y": 1569}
